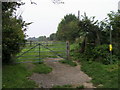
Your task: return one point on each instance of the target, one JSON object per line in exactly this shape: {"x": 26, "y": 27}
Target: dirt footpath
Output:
{"x": 62, "y": 74}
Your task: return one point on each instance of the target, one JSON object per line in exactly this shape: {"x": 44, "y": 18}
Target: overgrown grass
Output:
{"x": 42, "y": 68}
{"x": 68, "y": 87}
{"x": 69, "y": 62}
{"x": 103, "y": 76}
{"x": 15, "y": 76}
{"x": 80, "y": 87}
{"x": 63, "y": 86}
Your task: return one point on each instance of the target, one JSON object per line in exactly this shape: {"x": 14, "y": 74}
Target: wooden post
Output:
{"x": 30, "y": 43}
{"x": 39, "y": 53}
{"x": 68, "y": 50}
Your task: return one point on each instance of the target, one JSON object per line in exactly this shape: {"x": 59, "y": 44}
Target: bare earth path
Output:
{"x": 62, "y": 74}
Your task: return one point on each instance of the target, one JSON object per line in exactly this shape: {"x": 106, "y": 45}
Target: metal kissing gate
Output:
{"x": 38, "y": 52}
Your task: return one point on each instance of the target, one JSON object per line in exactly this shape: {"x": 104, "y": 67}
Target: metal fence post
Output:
{"x": 68, "y": 50}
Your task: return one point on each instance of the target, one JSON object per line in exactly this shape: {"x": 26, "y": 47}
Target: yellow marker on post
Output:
{"x": 110, "y": 47}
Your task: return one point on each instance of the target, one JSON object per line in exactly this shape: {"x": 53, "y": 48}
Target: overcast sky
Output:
{"x": 47, "y": 15}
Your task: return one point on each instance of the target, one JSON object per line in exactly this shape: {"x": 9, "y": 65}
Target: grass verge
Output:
{"x": 69, "y": 62}
{"x": 42, "y": 68}
{"x": 68, "y": 86}
{"x": 63, "y": 86}
{"x": 103, "y": 76}
{"x": 15, "y": 76}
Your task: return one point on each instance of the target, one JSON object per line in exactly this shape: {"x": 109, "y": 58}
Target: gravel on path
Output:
{"x": 62, "y": 74}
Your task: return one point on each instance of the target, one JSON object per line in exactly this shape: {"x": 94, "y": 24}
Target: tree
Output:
{"x": 42, "y": 38}
{"x": 114, "y": 22}
{"x": 68, "y": 28}
{"x": 12, "y": 30}
{"x": 52, "y": 37}
{"x": 89, "y": 32}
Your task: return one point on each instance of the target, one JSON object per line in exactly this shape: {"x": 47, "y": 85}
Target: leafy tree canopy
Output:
{"x": 68, "y": 28}
{"x": 13, "y": 31}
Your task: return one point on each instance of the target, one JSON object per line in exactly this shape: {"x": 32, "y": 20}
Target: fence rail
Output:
{"x": 37, "y": 52}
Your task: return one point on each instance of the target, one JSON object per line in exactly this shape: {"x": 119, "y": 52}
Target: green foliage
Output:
{"x": 42, "y": 68}
{"x": 102, "y": 52}
{"x": 112, "y": 23}
{"x": 12, "y": 31}
{"x": 92, "y": 38}
{"x": 89, "y": 32}
{"x": 53, "y": 37}
{"x": 99, "y": 53}
{"x": 103, "y": 76}
{"x": 68, "y": 28}
{"x": 16, "y": 76}
{"x": 42, "y": 38}
{"x": 69, "y": 62}
{"x": 68, "y": 86}
{"x": 80, "y": 87}
{"x": 64, "y": 86}
{"x": 74, "y": 46}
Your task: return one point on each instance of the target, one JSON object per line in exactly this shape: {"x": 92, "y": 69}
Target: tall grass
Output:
{"x": 103, "y": 76}
{"x": 15, "y": 76}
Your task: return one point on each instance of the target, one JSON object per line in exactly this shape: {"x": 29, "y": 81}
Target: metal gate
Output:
{"x": 38, "y": 52}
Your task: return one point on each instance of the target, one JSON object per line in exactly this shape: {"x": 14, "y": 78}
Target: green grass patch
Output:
{"x": 69, "y": 62}
{"x": 63, "y": 86}
{"x": 103, "y": 76}
{"x": 80, "y": 87}
{"x": 15, "y": 76}
{"x": 68, "y": 86}
{"x": 42, "y": 68}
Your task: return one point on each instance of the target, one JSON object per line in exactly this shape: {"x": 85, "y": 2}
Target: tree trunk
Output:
{"x": 97, "y": 40}
{"x": 83, "y": 45}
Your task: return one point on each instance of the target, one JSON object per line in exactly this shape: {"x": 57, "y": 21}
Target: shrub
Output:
{"x": 101, "y": 50}
{"x": 70, "y": 62}
{"x": 102, "y": 54}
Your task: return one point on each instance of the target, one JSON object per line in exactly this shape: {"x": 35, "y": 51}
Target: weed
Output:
{"x": 64, "y": 86}
{"x": 42, "y": 68}
{"x": 15, "y": 76}
{"x": 81, "y": 86}
{"x": 103, "y": 76}
{"x": 70, "y": 62}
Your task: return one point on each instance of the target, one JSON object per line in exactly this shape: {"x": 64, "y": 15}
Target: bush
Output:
{"x": 12, "y": 31}
{"x": 42, "y": 68}
{"x": 80, "y": 87}
{"x": 63, "y": 86}
{"x": 100, "y": 51}
{"x": 70, "y": 62}
{"x": 102, "y": 54}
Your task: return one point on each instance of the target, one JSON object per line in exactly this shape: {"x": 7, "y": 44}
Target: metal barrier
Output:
{"x": 37, "y": 52}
